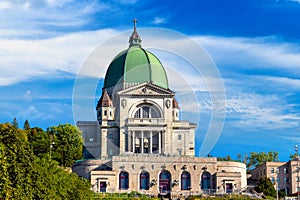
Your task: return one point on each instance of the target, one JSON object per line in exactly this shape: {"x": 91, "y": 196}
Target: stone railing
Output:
{"x": 146, "y": 121}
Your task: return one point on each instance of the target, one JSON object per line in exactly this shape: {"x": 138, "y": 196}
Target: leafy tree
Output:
{"x": 4, "y": 176}
{"x": 26, "y": 176}
{"x": 226, "y": 158}
{"x": 266, "y": 186}
{"x": 256, "y": 159}
{"x": 39, "y": 141}
{"x": 15, "y": 123}
{"x": 68, "y": 144}
{"x": 19, "y": 158}
{"x": 281, "y": 193}
{"x": 26, "y": 125}
{"x": 293, "y": 156}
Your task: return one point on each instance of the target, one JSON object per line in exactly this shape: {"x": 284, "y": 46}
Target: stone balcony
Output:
{"x": 145, "y": 122}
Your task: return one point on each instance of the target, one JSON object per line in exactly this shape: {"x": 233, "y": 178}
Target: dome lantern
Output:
{"x": 135, "y": 39}
{"x": 135, "y": 65}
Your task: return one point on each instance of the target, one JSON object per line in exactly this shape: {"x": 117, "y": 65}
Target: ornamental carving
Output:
{"x": 168, "y": 103}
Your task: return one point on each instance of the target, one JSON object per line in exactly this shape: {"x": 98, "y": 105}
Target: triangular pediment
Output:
{"x": 146, "y": 89}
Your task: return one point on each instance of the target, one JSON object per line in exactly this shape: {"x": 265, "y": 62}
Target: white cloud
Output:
{"x": 35, "y": 15}
{"x": 27, "y": 96}
{"x": 24, "y": 59}
{"x": 261, "y": 112}
{"x": 290, "y": 83}
{"x": 159, "y": 20}
{"x": 253, "y": 53}
{"x": 30, "y": 113}
{"x": 126, "y": 1}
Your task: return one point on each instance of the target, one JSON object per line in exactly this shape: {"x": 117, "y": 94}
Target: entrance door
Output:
{"x": 103, "y": 186}
{"x": 164, "y": 183}
{"x": 228, "y": 187}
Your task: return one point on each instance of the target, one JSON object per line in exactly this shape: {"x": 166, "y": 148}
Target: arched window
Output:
{"x": 205, "y": 181}
{"x": 164, "y": 182}
{"x": 147, "y": 111}
{"x": 123, "y": 180}
{"x": 185, "y": 181}
{"x": 144, "y": 181}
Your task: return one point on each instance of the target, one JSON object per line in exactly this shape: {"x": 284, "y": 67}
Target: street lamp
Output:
{"x": 297, "y": 157}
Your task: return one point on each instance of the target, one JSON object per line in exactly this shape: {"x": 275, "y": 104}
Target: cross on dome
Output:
{"x": 135, "y": 39}
{"x": 134, "y": 22}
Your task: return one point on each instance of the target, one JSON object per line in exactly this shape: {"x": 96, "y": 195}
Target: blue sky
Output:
{"x": 254, "y": 43}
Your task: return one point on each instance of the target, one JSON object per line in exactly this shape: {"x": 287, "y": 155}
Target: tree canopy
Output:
{"x": 266, "y": 186}
{"x": 256, "y": 159}
{"x": 27, "y": 172}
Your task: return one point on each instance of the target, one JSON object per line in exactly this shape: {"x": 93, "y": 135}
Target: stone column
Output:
{"x": 104, "y": 149}
{"x": 159, "y": 142}
{"x": 150, "y": 145}
{"x": 142, "y": 142}
{"x": 133, "y": 141}
{"x": 98, "y": 184}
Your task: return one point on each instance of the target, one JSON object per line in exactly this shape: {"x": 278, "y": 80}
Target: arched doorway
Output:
{"x": 123, "y": 180}
{"x": 144, "y": 180}
{"x": 165, "y": 182}
{"x": 205, "y": 181}
{"x": 185, "y": 181}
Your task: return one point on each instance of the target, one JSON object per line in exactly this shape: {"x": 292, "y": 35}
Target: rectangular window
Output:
{"x": 285, "y": 171}
{"x": 273, "y": 180}
{"x": 272, "y": 170}
{"x": 278, "y": 180}
{"x": 110, "y": 136}
{"x": 277, "y": 170}
{"x": 145, "y": 112}
{"x": 179, "y": 151}
{"x": 285, "y": 180}
{"x": 179, "y": 137}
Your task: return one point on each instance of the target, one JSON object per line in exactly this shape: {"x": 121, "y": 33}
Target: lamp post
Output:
{"x": 297, "y": 159}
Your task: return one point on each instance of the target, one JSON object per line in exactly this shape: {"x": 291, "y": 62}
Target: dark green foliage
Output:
{"x": 39, "y": 141}
{"x": 15, "y": 123}
{"x": 26, "y": 125}
{"x": 67, "y": 144}
{"x": 23, "y": 175}
{"x": 256, "y": 159}
{"x": 266, "y": 186}
{"x": 293, "y": 156}
{"x": 281, "y": 193}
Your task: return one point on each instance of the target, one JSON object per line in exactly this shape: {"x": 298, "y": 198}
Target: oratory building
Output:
{"x": 139, "y": 143}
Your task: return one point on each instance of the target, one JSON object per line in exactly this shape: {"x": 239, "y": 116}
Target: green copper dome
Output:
{"x": 135, "y": 65}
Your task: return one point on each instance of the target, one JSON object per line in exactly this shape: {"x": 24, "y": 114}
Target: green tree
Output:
{"x": 293, "y": 156}
{"x": 15, "y": 123}
{"x": 26, "y": 176}
{"x": 26, "y": 125}
{"x": 266, "y": 186}
{"x": 39, "y": 141}
{"x": 4, "y": 176}
{"x": 256, "y": 159}
{"x": 18, "y": 163}
{"x": 68, "y": 144}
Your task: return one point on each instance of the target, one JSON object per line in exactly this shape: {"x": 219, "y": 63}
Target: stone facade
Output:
{"x": 223, "y": 177}
{"x": 284, "y": 175}
{"x": 139, "y": 142}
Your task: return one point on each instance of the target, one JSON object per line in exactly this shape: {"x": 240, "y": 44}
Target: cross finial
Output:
{"x": 134, "y": 23}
